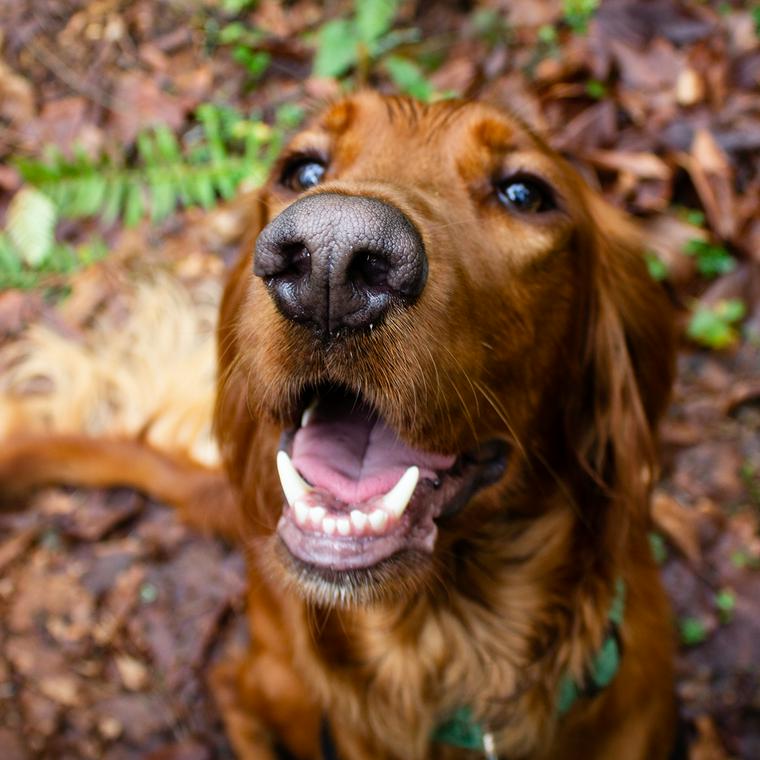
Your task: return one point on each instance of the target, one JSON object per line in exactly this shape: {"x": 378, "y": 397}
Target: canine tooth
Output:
{"x": 378, "y": 519}
{"x": 344, "y": 526}
{"x": 328, "y": 525}
{"x": 358, "y": 519}
{"x": 294, "y": 486}
{"x": 396, "y": 500}
{"x": 316, "y": 515}
{"x": 302, "y": 512}
{"x": 308, "y": 413}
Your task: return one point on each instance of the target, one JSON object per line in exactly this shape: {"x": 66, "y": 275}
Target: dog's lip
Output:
{"x": 414, "y": 528}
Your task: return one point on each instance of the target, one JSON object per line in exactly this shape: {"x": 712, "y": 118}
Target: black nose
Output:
{"x": 340, "y": 261}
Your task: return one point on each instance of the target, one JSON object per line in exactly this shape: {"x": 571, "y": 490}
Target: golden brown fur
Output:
{"x": 545, "y": 332}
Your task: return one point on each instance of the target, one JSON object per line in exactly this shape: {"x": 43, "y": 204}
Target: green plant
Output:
{"x": 756, "y": 19}
{"x": 244, "y": 40}
{"x": 29, "y": 252}
{"x": 725, "y": 602}
{"x": 715, "y": 326}
{"x": 712, "y": 260}
{"x": 691, "y": 215}
{"x": 658, "y": 547}
{"x": 365, "y": 40}
{"x": 658, "y": 269}
{"x": 408, "y": 77}
{"x": 578, "y": 13}
{"x": 222, "y": 151}
{"x": 740, "y": 558}
{"x": 596, "y": 89}
{"x": 491, "y": 26}
{"x": 750, "y": 475}
{"x": 234, "y": 7}
{"x": 693, "y": 631}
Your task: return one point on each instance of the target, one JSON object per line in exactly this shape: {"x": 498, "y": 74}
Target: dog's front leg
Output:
{"x": 263, "y": 707}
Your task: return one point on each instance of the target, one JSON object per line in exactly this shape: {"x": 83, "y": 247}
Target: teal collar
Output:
{"x": 462, "y": 730}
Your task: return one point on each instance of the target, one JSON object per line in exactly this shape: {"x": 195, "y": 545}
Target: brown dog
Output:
{"x": 446, "y": 351}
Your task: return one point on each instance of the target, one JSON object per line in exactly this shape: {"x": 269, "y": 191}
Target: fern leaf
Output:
{"x": 113, "y": 200}
{"x": 133, "y": 203}
{"x": 31, "y": 224}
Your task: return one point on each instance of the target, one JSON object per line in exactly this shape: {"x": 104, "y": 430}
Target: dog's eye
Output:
{"x": 528, "y": 195}
{"x": 303, "y": 174}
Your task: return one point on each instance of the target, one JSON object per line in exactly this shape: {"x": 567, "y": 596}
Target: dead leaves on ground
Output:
{"x": 112, "y": 612}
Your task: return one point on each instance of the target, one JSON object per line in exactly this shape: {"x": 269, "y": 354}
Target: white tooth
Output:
{"x": 359, "y": 519}
{"x": 378, "y": 520}
{"x": 398, "y": 497}
{"x": 344, "y": 526}
{"x": 328, "y": 525}
{"x": 294, "y": 486}
{"x": 316, "y": 514}
{"x": 302, "y": 512}
{"x": 308, "y": 413}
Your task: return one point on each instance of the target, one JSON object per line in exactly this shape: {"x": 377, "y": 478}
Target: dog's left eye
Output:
{"x": 303, "y": 174}
{"x": 525, "y": 194}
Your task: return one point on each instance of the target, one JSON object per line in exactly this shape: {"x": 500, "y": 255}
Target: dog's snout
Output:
{"x": 340, "y": 261}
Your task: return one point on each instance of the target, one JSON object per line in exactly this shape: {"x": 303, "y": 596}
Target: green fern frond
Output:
{"x": 223, "y": 151}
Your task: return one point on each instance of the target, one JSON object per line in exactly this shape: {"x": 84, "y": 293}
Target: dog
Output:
{"x": 441, "y": 365}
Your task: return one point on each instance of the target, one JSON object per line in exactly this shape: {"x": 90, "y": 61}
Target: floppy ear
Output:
{"x": 627, "y": 367}
{"x": 233, "y": 424}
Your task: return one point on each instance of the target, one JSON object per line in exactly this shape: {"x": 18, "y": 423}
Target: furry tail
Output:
{"x": 203, "y": 496}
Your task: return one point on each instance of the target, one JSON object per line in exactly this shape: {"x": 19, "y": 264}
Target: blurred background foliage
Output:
{"x": 187, "y": 116}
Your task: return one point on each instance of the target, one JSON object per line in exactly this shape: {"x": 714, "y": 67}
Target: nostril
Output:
{"x": 369, "y": 269}
{"x": 295, "y": 261}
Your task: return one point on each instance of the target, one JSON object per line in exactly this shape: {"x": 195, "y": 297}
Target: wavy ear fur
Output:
{"x": 627, "y": 368}
{"x": 231, "y": 412}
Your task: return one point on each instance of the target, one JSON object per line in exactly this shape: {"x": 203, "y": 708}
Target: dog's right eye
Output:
{"x": 303, "y": 173}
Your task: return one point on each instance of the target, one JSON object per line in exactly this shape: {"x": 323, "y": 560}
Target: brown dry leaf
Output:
{"x": 53, "y": 597}
{"x": 42, "y": 715}
{"x": 18, "y": 309}
{"x": 690, "y": 87}
{"x": 99, "y": 512}
{"x": 13, "y": 745}
{"x": 595, "y": 125}
{"x": 187, "y": 750}
{"x": 133, "y": 673}
{"x": 639, "y": 164}
{"x": 708, "y": 745}
{"x": 652, "y": 68}
{"x": 679, "y": 524}
{"x": 139, "y": 102}
{"x": 17, "y": 103}
{"x": 118, "y": 604}
{"x": 65, "y": 123}
{"x": 457, "y": 74}
{"x": 713, "y": 177}
{"x": 711, "y": 468}
{"x": 61, "y": 688}
{"x": 16, "y": 545}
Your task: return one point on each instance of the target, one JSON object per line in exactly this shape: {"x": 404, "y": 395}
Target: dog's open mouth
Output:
{"x": 356, "y": 494}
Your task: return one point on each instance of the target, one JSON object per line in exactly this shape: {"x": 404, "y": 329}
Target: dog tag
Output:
{"x": 489, "y": 746}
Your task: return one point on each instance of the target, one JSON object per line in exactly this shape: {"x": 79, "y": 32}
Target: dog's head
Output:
{"x": 433, "y": 310}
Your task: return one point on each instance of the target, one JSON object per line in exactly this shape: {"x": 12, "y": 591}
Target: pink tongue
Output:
{"x": 348, "y": 451}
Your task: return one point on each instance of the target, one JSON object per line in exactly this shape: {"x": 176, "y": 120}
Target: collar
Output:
{"x": 463, "y": 730}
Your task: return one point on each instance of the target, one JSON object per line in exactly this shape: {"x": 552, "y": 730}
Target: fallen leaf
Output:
{"x": 679, "y": 524}
{"x": 708, "y": 745}
{"x": 133, "y": 673}
{"x": 139, "y": 103}
{"x": 712, "y": 175}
